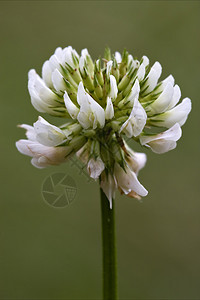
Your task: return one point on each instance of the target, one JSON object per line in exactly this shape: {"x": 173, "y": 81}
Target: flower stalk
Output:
{"x": 108, "y": 249}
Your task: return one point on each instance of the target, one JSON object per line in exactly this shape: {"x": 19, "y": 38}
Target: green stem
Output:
{"x": 109, "y": 249}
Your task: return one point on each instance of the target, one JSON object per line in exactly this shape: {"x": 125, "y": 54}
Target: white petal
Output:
{"x": 178, "y": 114}
{"x": 109, "y": 67}
{"x": 141, "y": 72}
{"x": 169, "y": 79}
{"x": 43, "y": 105}
{"x": 91, "y": 113}
{"x": 138, "y": 161}
{"x": 85, "y": 110}
{"x": 71, "y": 107}
{"x": 82, "y": 64}
{"x": 128, "y": 181}
{"x": 47, "y": 134}
{"x": 84, "y": 119}
{"x": 68, "y": 52}
{"x": 55, "y": 61}
{"x": 98, "y": 111}
{"x": 176, "y": 97}
{"x": 81, "y": 95}
{"x": 35, "y": 99}
{"x": 46, "y": 74}
{"x": 84, "y": 53}
{"x": 145, "y": 60}
{"x": 162, "y": 102}
{"x": 113, "y": 88}
{"x": 163, "y": 142}
{"x": 30, "y": 132}
{"x": 153, "y": 77}
{"x": 109, "y": 111}
{"x": 59, "y": 53}
{"x": 95, "y": 167}
{"x": 135, "y": 160}
{"x": 118, "y": 57}
{"x": 130, "y": 62}
{"x": 58, "y": 81}
{"x": 137, "y": 119}
{"x": 38, "y": 86}
{"x": 134, "y": 94}
{"x": 109, "y": 186}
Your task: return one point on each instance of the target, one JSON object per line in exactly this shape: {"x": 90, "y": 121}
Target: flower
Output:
{"x": 104, "y": 103}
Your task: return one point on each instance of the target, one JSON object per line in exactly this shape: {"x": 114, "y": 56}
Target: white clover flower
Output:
{"x": 104, "y": 102}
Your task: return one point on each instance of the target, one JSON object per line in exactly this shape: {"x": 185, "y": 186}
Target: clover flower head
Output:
{"x": 103, "y": 103}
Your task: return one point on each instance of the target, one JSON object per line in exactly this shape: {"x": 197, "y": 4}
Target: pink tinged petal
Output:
{"x": 178, "y": 114}
{"x": 153, "y": 77}
{"x": 163, "y": 142}
{"x": 109, "y": 111}
{"x": 113, "y": 88}
{"x": 72, "y": 109}
{"x": 95, "y": 167}
{"x": 58, "y": 81}
{"x": 23, "y": 147}
{"x": 109, "y": 186}
{"x": 39, "y": 163}
{"x": 128, "y": 181}
{"x": 44, "y": 154}
{"x": 162, "y": 102}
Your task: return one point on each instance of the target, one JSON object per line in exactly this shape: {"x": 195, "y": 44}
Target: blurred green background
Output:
{"x": 49, "y": 253}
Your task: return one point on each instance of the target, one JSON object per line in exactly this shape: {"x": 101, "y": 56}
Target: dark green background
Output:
{"x": 49, "y": 253}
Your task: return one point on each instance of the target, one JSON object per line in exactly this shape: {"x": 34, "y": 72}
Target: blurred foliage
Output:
{"x": 56, "y": 253}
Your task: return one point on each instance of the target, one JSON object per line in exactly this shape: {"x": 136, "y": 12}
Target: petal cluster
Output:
{"x": 104, "y": 103}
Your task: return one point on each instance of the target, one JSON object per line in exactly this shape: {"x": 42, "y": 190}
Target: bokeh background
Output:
{"x": 49, "y": 253}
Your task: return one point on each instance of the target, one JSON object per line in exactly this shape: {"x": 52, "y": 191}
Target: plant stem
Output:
{"x": 109, "y": 249}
